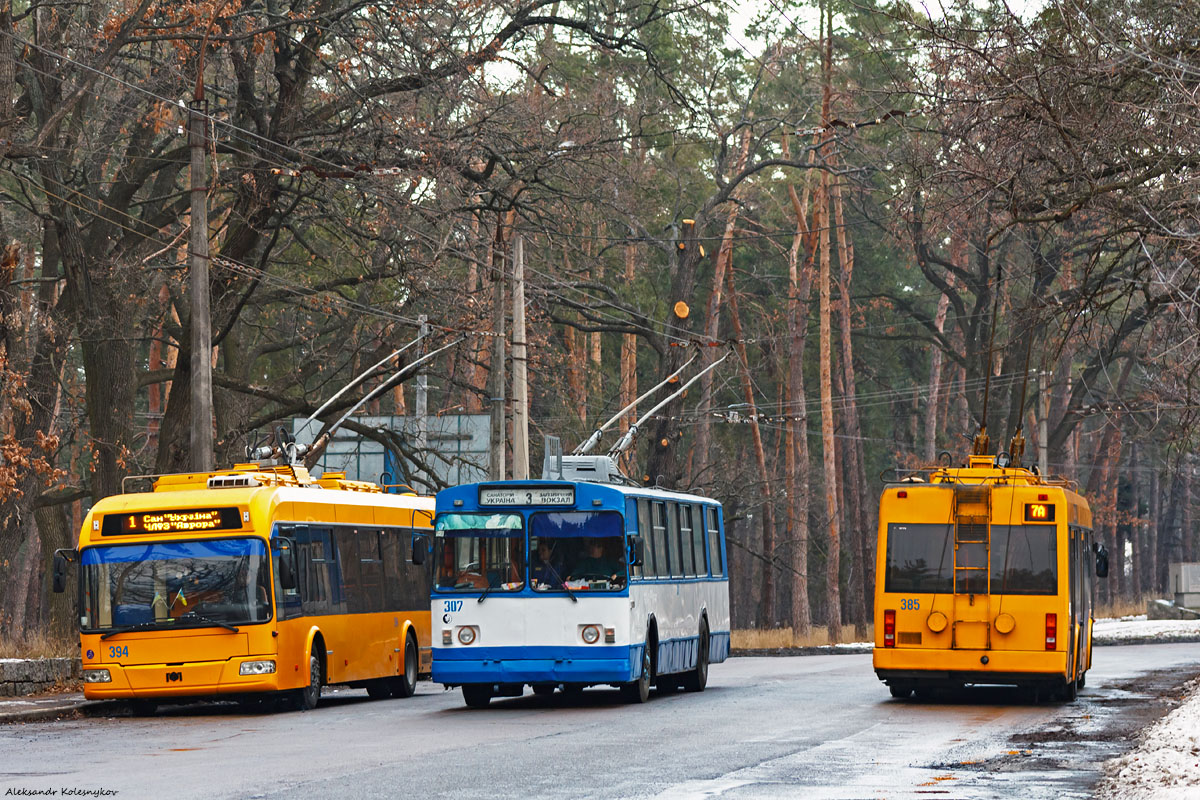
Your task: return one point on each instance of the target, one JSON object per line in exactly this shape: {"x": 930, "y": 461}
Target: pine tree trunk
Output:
{"x": 767, "y": 607}
{"x": 833, "y": 557}
{"x": 796, "y": 453}
{"x": 712, "y": 317}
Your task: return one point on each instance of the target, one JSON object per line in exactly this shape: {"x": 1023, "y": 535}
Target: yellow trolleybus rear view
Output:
{"x": 249, "y": 583}
{"x": 984, "y": 577}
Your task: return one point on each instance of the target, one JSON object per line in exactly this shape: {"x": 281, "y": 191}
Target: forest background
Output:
{"x": 877, "y": 211}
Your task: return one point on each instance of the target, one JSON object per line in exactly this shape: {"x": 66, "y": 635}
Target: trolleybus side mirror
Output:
{"x": 61, "y": 559}
{"x": 637, "y": 551}
{"x": 420, "y": 543}
{"x": 1101, "y": 560}
{"x": 287, "y": 564}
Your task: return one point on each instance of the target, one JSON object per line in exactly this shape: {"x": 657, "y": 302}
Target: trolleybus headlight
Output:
{"x": 590, "y": 634}
{"x": 466, "y": 634}
{"x": 256, "y": 668}
{"x": 96, "y": 676}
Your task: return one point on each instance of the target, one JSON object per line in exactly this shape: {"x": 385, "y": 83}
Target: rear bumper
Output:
{"x": 520, "y": 665}
{"x": 916, "y": 666}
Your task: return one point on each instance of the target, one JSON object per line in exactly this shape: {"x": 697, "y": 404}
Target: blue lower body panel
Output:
{"x": 516, "y": 665}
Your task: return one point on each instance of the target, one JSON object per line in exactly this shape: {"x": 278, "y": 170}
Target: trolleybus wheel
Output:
{"x": 639, "y": 691}
{"x": 405, "y": 684}
{"x": 697, "y": 679}
{"x": 379, "y": 689}
{"x": 543, "y": 689}
{"x": 1081, "y": 681}
{"x": 902, "y": 692}
{"x": 1068, "y": 691}
{"x": 477, "y": 695}
{"x": 308, "y": 697}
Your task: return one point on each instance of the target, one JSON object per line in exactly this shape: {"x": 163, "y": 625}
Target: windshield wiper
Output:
{"x": 128, "y": 628}
{"x": 563, "y": 584}
{"x": 192, "y": 615}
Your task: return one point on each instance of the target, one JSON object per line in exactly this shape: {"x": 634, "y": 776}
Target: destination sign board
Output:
{"x": 527, "y": 495}
{"x": 172, "y": 521}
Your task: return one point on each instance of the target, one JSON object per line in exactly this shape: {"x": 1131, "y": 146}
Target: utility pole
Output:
{"x": 497, "y": 377}
{"x": 201, "y": 438}
{"x": 520, "y": 389}
{"x": 422, "y": 400}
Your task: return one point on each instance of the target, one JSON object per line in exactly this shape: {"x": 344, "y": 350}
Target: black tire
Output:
{"x": 543, "y": 689}
{"x": 1068, "y": 691}
{"x": 1081, "y": 681}
{"x": 308, "y": 697}
{"x": 697, "y": 679}
{"x": 143, "y": 708}
{"x": 477, "y": 695}
{"x": 901, "y": 692}
{"x": 380, "y": 689}
{"x": 639, "y": 691}
{"x": 405, "y": 684}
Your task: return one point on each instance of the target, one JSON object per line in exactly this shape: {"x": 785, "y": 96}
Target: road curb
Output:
{"x": 83, "y": 707}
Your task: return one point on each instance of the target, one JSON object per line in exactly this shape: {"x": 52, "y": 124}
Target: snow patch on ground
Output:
{"x": 1127, "y": 628}
{"x": 1166, "y": 763}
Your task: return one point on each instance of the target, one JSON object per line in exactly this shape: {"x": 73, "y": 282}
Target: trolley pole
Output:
{"x": 520, "y": 388}
{"x": 201, "y": 438}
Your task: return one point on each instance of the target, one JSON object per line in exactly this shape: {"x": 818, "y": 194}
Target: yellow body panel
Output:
{"x": 206, "y": 661}
{"x": 962, "y": 637}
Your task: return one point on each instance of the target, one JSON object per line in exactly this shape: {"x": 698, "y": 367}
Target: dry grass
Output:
{"x": 40, "y": 645}
{"x": 754, "y": 639}
{"x": 1122, "y": 607}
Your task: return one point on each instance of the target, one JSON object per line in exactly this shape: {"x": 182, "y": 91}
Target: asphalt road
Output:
{"x": 811, "y": 727}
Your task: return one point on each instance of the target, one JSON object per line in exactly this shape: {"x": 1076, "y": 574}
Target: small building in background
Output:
{"x": 1184, "y": 583}
{"x": 454, "y": 449}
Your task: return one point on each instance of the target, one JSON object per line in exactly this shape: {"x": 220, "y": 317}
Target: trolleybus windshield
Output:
{"x": 581, "y": 549}
{"x": 175, "y": 584}
{"x": 479, "y": 551}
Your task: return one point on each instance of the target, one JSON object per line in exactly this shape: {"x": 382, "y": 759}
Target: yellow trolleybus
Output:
{"x": 984, "y": 577}
{"x": 253, "y": 582}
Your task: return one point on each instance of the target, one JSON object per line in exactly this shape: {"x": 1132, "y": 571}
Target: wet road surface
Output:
{"x": 812, "y": 727}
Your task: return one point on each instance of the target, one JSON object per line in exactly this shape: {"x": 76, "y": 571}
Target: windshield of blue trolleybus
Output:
{"x": 175, "y": 585}
{"x": 577, "y": 550}
{"x": 479, "y": 551}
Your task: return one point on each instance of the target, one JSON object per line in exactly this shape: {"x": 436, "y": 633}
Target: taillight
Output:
{"x": 1052, "y": 631}
{"x": 889, "y": 628}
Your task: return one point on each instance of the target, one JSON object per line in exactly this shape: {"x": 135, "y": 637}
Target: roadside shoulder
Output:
{"x": 1165, "y": 764}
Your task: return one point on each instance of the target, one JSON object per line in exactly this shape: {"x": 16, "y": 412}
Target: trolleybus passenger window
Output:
{"x": 646, "y": 528}
{"x": 685, "y": 539}
{"x": 662, "y": 563}
{"x": 1031, "y": 555}
{"x": 392, "y": 554}
{"x": 698, "y": 540}
{"x": 673, "y": 540}
{"x": 920, "y": 558}
{"x": 631, "y": 529}
{"x": 714, "y": 542}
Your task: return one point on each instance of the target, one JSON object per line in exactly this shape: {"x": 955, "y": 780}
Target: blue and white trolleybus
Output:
{"x": 575, "y": 582}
